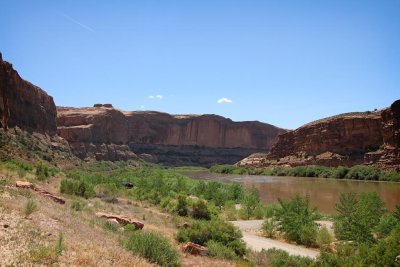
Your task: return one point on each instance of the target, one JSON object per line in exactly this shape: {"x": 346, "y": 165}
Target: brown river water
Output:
{"x": 324, "y": 193}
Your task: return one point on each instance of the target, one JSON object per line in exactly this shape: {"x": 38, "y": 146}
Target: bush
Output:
{"x": 382, "y": 253}
{"x": 218, "y": 250}
{"x": 201, "y": 232}
{"x": 358, "y": 217}
{"x": 77, "y": 187}
{"x": 154, "y": 247}
{"x": 269, "y": 228}
{"x": 308, "y": 234}
{"x": 200, "y": 210}
{"x": 250, "y": 201}
{"x": 181, "y": 207}
{"x": 297, "y": 220}
{"x": 110, "y": 226}
{"x": 30, "y": 207}
{"x": 42, "y": 171}
{"x": 77, "y": 205}
{"x": 60, "y": 246}
{"x": 386, "y": 225}
{"x": 363, "y": 173}
{"x": 324, "y": 238}
{"x": 278, "y": 258}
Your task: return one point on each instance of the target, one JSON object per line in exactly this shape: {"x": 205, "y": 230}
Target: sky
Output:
{"x": 281, "y": 62}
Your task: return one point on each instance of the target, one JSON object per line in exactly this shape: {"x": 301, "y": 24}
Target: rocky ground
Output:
{"x": 31, "y": 240}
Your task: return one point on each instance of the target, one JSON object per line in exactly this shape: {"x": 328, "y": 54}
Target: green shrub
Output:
{"x": 381, "y": 253}
{"x": 386, "y": 225}
{"x": 250, "y": 201}
{"x": 297, "y": 220}
{"x": 340, "y": 172}
{"x": 60, "y": 246}
{"x": 77, "y": 205}
{"x": 77, "y": 187}
{"x": 200, "y": 232}
{"x": 110, "y": 226}
{"x": 269, "y": 228}
{"x": 200, "y": 210}
{"x": 278, "y": 258}
{"x": 218, "y": 250}
{"x": 324, "y": 238}
{"x": 308, "y": 234}
{"x": 30, "y": 207}
{"x": 363, "y": 173}
{"x": 259, "y": 212}
{"x": 358, "y": 217}
{"x": 154, "y": 247}
{"x": 42, "y": 171}
{"x": 181, "y": 207}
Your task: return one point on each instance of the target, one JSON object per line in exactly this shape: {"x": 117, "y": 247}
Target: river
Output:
{"x": 323, "y": 192}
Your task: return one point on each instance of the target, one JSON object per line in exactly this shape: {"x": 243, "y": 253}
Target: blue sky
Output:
{"x": 281, "y": 62}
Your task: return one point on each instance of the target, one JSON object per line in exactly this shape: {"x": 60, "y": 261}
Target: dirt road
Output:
{"x": 258, "y": 243}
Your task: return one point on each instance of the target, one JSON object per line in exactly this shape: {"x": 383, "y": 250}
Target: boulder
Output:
{"x": 27, "y": 185}
{"x": 194, "y": 249}
{"x": 120, "y": 219}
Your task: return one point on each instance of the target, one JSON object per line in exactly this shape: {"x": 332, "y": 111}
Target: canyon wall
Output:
{"x": 161, "y": 137}
{"x": 349, "y": 139}
{"x": 388, "y": 157}
{"x": 23, "y": 104}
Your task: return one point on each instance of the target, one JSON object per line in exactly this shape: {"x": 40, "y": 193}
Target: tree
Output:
{"x": 250, "y": 201}
{"x": 358, "y": 217}
{"x": 297, "y": 220}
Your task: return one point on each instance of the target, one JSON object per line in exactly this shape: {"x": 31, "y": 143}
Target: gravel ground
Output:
{"x": 258, "y": 243}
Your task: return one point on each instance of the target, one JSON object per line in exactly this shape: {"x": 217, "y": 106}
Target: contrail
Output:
{"x": 78, "y": 23}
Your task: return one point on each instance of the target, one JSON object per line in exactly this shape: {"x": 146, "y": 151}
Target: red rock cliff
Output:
{"x": 338, "y": 140}
{"x": 23, "y": 104}
{"x": 160, "y": 133}
{"x": 388, "y": 156}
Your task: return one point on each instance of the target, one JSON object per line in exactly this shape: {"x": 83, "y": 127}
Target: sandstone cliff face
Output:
{"x": 339, "y": 140}
{"x": 23, "y": 104}
{"x": 180, "y": 139}
{"x": 389, "y": 156}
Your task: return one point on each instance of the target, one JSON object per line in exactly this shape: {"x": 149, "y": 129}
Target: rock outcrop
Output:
{"x": 27, "y": 185}
{"x": 343, "y": 140}
{"x": 23, "y": 104}
{"x": 371, "y": 138}
{"x": 388, "y": 157}
{"x": 120, "y": 219}
{"x": 171, "y": 139}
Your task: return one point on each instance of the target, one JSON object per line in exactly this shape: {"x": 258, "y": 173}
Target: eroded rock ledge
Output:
{"x": 103, "y": 132}
{"x": 371, "y": 138}
{"x": 23, "y": 104}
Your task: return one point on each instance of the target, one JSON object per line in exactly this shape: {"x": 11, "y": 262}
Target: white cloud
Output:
{"x": 142, "y": 107}
{"x": 156, "y": 97}
{"x": 224, "y": 100}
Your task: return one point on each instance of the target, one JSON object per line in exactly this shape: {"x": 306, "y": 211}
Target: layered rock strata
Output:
{"x": 23, "y": 104}
{"x": 370, "y": 138}
{"x": 170, "y": 139}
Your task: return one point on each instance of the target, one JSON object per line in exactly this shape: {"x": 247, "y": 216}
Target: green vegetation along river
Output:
{"x": 324, "y": 193}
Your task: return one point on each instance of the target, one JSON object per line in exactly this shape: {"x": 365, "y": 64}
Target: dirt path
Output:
{"x": 258, "y": 243}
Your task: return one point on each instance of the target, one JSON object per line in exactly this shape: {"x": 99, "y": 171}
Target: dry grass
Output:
{"x": 27, "y": 242}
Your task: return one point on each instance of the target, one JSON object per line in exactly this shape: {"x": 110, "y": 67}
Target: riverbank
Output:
{"x": 359, "y": 172}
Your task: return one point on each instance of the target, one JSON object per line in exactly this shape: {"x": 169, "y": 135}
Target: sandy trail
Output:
{"x": 258, "y": 243}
